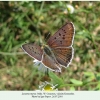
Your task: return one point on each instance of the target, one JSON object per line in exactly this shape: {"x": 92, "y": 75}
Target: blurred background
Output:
{"x": 22, "y": 22}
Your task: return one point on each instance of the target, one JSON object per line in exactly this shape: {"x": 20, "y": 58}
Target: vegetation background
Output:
{"x": 22, "y": 22}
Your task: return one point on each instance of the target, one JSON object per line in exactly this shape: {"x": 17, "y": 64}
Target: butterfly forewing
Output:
{"x": 63, "y": 37}
{"x": 63, "y": 55}
{"x": 33, "y": 50}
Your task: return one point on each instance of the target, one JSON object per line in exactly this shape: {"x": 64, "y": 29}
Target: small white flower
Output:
{"x": 36, "y": 62}
{"x": 46, "y": 86}
{"x": 70, "y": 9}
{"x": 90, "y": 5}
{"x": 41, "y": 67}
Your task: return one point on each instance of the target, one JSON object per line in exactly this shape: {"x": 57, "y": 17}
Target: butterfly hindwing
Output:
{"x": 51, "y": 63}
{"x": 63, "y": 55}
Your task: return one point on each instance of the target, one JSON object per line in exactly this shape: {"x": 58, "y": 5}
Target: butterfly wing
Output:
{"x": 51, "y": 63}
{"x": 63, "y": 37}
{"x": 63, "y": 55}
{"x": 33, "y": 50}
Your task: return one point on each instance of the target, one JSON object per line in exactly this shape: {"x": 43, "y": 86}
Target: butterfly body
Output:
{"x": 58, "y": 52}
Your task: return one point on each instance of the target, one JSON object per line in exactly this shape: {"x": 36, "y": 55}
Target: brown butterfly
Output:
{"x": 58, "y": 52}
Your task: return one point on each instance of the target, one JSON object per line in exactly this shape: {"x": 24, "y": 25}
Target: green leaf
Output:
{"x": 72, "y": 88}
{"x": 89, "y": 74}
{"x": 76, "y": 82}
{"x": 97, "y": 87}
{"x": 98, "y": 76}
{"x": 56, "y": 79}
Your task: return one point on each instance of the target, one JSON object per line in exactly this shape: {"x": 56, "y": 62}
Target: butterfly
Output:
{"x": 58, "y": 52}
